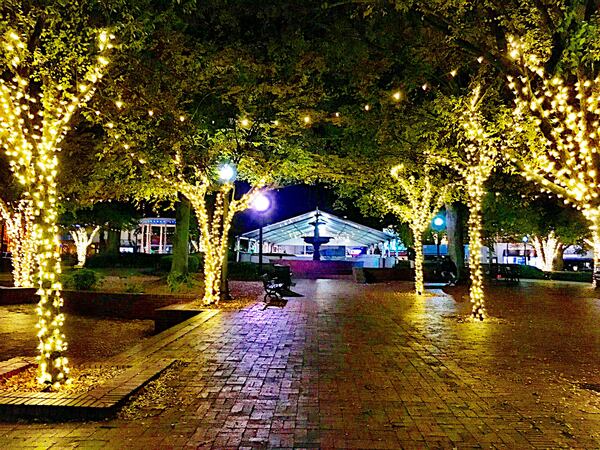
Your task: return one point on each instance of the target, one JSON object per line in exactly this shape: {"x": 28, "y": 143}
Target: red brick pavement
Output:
{"x": 353, "y": 366}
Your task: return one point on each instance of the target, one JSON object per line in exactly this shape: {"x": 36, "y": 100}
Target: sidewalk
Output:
{"x": 370, "y": 366}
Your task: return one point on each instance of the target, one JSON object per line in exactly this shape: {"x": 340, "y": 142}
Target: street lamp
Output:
{"x": 227, "y": 174}
{"x": 525, "y": 240}
{"x": 260, "y": 203}
{"x": 438, "y": 224}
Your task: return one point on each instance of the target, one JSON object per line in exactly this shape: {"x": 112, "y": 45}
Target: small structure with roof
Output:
{"x": 341, "y": 240}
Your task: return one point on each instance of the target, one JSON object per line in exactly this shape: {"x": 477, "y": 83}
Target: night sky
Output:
{"x": 294, "y": 200}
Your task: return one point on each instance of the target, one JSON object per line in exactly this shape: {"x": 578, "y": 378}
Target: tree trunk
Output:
{"x": 419, "y": 285}
{"x": 113, "y": 242}
{"x": 456, "y": 244}
{"x": 558, "y": 263}
{"x": 476, "y": 274}
{"x": 181, "y": 246}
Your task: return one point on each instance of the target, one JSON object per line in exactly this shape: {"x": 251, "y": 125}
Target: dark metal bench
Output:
{"x": 509, "y": 273}
{"x": 274, "y": 289}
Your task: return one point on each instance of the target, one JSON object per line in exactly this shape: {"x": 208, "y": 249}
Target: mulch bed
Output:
{"x": 83, "y": 380}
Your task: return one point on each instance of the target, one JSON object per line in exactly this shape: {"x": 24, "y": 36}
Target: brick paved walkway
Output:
{"x": 373, "y": 367}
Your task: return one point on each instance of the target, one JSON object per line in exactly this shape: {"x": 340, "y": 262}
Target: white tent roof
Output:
{"x": 343, "y": 231}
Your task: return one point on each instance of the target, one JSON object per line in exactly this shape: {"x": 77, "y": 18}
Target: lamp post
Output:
{"x": 227, "y": 174}
{"x": 525, "y": 240}
{"x": 437, "y": 224}
{"x": 261, "y": 203}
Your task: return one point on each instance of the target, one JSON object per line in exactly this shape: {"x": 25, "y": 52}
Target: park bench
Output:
{"x": 274, "y": 289}
{"x": 508, "y": 273}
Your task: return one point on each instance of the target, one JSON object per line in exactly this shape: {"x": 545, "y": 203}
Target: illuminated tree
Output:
{"x": 35, "y": 112}
{"x": 478, "y": 152}
{"x": 559, "y": 122}
{"x": 82, "y": 242}
{"x": 423, "y": 199}
{"x": 19, "y": 226}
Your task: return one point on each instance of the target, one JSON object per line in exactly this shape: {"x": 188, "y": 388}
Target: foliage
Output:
{"x": 84, "y": 279}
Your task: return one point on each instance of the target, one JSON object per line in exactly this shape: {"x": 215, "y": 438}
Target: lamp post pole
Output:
{"x": 260, "y": 247}
{"x": 261, "y": 204}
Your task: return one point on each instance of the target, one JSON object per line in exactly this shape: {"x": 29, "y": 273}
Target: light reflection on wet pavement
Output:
{"x": 90, "y": 339}
{"x": 374, "y": 366}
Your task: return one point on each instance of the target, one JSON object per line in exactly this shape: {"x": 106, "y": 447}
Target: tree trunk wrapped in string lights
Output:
{"x": 214, "y": 225}
{"x": 82, "y": 242}
{"x": 559, "y": 120}
{"x": 34, "y": 119}
{"x": 19, "y": 226}
{"x": 547, "y": 249}
{"x": 475, "y": 165}
{"x": 423, "y": 201}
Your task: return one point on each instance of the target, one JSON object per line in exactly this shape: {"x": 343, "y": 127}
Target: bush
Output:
{"x": 195, "y": 263}
{"x": 243, "y": 271}
{"x": 584, "y": 277}
{"x": 130, "y": 260}
{"x": 531, "y": 272}
{"x": 84, "y": 279}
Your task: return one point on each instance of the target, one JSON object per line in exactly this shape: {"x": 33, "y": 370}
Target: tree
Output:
{"x": 183, "y": 102}
{"x": 422, "y": 197}
{"x": 516, "y": 208}
{"x": 19, "y": 224}
{"x": 557, "y": 120}
{"x": 478, "y": 146}
{"x": 38, "y": 98}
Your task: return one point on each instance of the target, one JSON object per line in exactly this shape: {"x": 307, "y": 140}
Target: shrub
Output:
{"x": 84, "y": 279}
{"x": 584, "y": 277}
{"x": 531, "y": 272}
{"x": 194, "y": 263}
{"x": 134, "y": 260}
{"x": 243, "y": 271}
{"x": 134, "y": 288}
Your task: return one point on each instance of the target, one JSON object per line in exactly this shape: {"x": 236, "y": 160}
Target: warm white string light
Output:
{"x": 32, "y": 127}
{"x": 21, "y": 245}
{"x": 563, "y": 159}
{"x": 82, "y": 242}
{"x": 423, "y": 201}
{"x": 474, "y": 167}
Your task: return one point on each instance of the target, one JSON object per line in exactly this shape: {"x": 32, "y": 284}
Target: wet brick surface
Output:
{"x": 354, "y": 366}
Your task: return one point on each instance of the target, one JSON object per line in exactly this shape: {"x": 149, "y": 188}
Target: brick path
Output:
{"x": 373, "y": 367}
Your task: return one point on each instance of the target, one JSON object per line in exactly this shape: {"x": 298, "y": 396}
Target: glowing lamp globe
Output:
{"x": 261, "y": 203}
{"x": 438, "y": 221}
{"x": 226, "y": 173}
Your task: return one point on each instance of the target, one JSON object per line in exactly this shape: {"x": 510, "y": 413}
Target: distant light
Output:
{"x": 397, "y": 96}
{"x": 150, "y": 112}
{"x": 306, "y": 119}
{"x": 480, "y": 59}
{"x": 425, "y": 86}
{"x": 261, "y": 202}
{"x": 337, "y": 114}
{"x": 454, "y": 72}
{"x": 525, "y": 238}
{"x": 438, "y": 221}
{"x": 245, "y": 122}
{"x": 367, "y": 107}
{"x": 226, "y": 173}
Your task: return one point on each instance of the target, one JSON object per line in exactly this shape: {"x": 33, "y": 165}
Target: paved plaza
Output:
{"x": 372, "y": 366}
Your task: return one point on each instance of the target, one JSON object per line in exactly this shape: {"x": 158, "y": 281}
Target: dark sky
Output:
{"x": 292, "y": 201}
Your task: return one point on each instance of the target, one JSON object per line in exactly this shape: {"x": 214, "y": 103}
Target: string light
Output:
{"x": 397, "y": 95}
{"x": 82, "y": 242}
{"x": 547, "y": 249}
{"x": 475, "y": 167}
{"x": 423, "y": 201}
{"x": 306, "y": 119}
{"x": 215, "y": 227}
{"x": 564, "y": 158}
{"x": 245, "y": 122}
{"x": 34, "y": 163}
{"x": 19, "y": 227}
{"x": 367, "y": 107}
